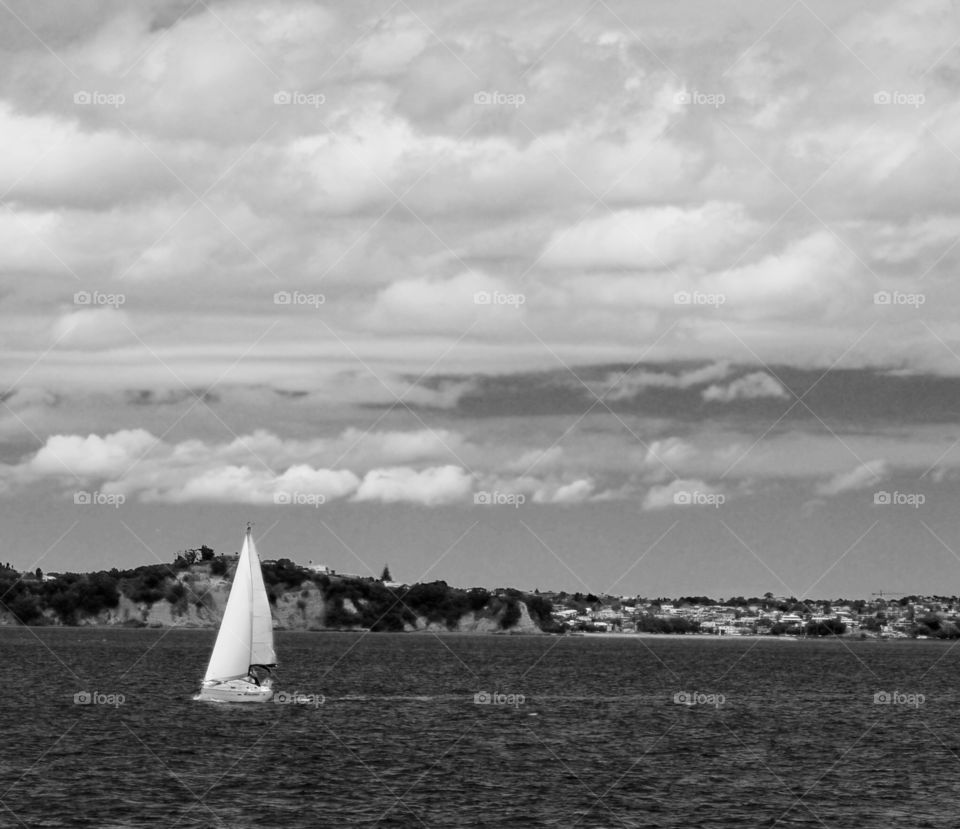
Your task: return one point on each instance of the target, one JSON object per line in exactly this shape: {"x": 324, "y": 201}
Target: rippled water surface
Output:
{"x": 782, "y": 734}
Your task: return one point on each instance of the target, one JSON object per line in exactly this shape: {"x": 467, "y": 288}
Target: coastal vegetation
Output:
{"x": 349, "y": 602}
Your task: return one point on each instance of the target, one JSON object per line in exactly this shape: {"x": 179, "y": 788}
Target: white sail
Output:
{"x": 246, "y": 630}
{"x": 261, "y": 639}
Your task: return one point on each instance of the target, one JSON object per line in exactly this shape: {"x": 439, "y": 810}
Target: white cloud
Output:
{"x": 468, "y": 301}
{"x": 226, "y": 484}
{"x": 549, "y": 489}
{"x": 679, "y": 492}
{"x": 574, "y": 492}
{"x": 669, "y": 454}
{"x": 625, "y": 386}
{"x": 814, "y": 272}
{"x": 46, "y": 160}
{"x": 866, "y": 475}
{"x": 539, "y": 459}
{"x": 243, "y": 484}
{"x": 653, "y": 238}
{"x": 91, "y": 456}
{"x": 366, "y": 449}
{"x": 429, "y": 487}
{"x": 330, "y": 483}
{"x": 92, "y": 328}
{"x": 749, "y": 387}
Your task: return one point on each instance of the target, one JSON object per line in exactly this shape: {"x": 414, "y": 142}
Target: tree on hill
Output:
{"x": 186, "y": 557}
{"x": 385, "y": 575}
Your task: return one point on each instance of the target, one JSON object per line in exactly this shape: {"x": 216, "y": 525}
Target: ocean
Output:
{"x": 417, "y": 730}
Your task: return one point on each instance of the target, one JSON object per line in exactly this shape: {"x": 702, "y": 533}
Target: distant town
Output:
{"x": 883, "y": 616}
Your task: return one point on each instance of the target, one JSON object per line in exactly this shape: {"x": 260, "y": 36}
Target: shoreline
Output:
{"x": 498, "y": 633}
{"x": 648, "y": 635}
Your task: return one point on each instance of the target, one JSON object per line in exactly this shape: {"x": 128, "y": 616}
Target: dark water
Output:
{"x": 791, "y": 736}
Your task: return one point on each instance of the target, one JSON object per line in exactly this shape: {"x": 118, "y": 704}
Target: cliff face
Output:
{"x": 204, "y": 598}
{"x": 472, "y": 622}
{"x": 203, "y": 604}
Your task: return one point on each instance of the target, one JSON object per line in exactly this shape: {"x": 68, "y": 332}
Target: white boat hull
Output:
{"x": 234, "y": 690}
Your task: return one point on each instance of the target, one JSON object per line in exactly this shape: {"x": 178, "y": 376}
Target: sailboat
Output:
{"x": 239, "y": 669}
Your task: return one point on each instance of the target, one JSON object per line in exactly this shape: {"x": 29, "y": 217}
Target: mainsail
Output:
{"x": 246, "y": 630}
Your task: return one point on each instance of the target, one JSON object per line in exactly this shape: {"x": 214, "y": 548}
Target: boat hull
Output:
{"x": 234, "y": 690}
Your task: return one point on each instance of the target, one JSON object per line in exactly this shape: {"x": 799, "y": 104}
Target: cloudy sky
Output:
{"x": 641, "y": 298}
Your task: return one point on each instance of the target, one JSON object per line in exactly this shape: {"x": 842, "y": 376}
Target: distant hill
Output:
{"x": 186, "y": 594}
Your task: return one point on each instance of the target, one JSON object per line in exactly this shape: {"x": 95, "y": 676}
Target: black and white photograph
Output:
{"x": 480, "y": 414}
